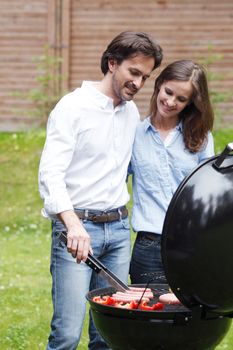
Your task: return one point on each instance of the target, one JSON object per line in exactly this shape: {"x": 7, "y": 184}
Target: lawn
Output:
{"x": 25, "y": 282}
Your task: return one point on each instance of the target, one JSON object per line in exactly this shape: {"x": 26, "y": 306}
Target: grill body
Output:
{"x": 197, "y": 255}
{"x": 174, "y": 328}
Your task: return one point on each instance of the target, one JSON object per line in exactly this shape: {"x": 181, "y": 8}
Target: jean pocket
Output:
{"x": 125, "y": 223}
{"x": 144, "y": 243}
{"x": 57, "y": 227}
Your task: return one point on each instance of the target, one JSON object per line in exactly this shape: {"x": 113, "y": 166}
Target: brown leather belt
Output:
{"x": 102, "y": 216}
{"x": 149, "y": 235}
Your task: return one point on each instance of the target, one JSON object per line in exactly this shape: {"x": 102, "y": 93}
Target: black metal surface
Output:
{"x": 197, "y": 238}
{"x": 174, "y": 328}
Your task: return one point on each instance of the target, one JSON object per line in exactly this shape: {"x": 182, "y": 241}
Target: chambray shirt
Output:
{"x": 158, "y": 167}
{"x": 87, "y": 151}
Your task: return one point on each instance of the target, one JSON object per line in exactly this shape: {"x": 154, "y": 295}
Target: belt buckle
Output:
{"x": 98, "y": 218}
{"x": 94, "y": 218}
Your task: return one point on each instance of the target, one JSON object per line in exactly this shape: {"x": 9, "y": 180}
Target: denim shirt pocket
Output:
{"x": 147, "y": 177}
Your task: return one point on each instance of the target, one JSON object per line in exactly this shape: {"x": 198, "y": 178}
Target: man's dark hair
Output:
{"x": 129, "y": 44}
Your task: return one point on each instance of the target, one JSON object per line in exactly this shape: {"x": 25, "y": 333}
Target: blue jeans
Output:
{"x": 146, "y": 262}
{"x": 71, "y": 281}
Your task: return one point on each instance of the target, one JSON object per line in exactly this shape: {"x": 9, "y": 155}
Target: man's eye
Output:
{"x": 134, "y": 73}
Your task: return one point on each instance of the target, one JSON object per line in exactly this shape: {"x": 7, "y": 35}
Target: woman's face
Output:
{"x": 173, "y": 97}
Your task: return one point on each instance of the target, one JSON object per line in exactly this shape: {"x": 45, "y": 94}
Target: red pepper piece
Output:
{"x": 118, "y": 304}
{"x": 157, "y": 306}
{"x": 132, "y": 305}
{"x": 96, "y": 299}
{"x": 105, "y": 300}
{"x": 122, "y": 305}
{"x": 143, "y": 306}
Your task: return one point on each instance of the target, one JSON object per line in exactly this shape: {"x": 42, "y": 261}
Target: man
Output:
{"x": 82, "y": 177}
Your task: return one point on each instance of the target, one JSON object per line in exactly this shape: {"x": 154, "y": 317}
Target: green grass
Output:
{"x": 25, "y": 303}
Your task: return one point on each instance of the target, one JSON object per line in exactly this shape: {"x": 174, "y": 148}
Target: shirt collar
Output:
{"x": 179, "y": 126}
{"x": 101, "y": 99}
{"x": 148, "y": 125}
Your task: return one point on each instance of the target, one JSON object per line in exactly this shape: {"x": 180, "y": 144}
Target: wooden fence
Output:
{"x": 79, "y": 30}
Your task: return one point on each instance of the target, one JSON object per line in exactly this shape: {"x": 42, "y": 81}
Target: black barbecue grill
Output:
{"x": 197, "y": 252}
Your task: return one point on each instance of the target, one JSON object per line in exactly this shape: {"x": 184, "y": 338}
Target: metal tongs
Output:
{"x": 101, "y": 269}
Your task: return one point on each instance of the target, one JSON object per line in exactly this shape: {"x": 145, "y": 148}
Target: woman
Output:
{"x": 173, "y": 140}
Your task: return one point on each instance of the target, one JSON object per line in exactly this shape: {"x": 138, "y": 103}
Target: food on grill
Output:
{"x": 105, "y": 300}
{"x": 133, "y": 298}
{"x": 127, "y": 303}
{"x": 130, "y": 305}
{"x": 128, "y": 297}
{"x": 134, "y": 294}
{"x": 139, "y": 289}
{"x": 169, "y": 298}
{"x": 153, "y": 307}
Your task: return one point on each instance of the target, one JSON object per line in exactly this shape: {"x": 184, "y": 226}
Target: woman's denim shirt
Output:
{"x": 158, "y": 167}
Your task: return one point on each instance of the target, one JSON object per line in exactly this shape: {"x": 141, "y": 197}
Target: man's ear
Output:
{"x": 111, "y": 64}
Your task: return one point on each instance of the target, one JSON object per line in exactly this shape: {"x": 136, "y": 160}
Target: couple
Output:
{"x": 93, "y": 134}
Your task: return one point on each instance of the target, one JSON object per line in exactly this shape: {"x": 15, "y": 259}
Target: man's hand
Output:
{"x": 78, "y": 240}
{"x": 78, "y": 243}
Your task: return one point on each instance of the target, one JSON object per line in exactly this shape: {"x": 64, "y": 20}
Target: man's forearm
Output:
{"x": 70, "y": 220}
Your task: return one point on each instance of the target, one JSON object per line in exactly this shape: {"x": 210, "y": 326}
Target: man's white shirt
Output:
{"x": 87, "y": 151}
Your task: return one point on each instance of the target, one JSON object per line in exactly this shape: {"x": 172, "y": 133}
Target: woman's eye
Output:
{"x": 168, "y": 92}
{"x": 183, "y": 100}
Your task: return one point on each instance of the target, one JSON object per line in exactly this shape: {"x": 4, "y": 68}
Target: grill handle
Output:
{"x": 223, "y": 155}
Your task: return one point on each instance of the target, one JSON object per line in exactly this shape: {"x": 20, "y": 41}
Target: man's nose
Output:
{"x": 138, "y": 82}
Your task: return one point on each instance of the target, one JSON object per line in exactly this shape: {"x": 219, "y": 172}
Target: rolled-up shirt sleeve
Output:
{"x": 56, "y": 157}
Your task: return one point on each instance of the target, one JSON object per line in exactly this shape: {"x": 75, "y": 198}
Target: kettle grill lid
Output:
{"x": 197, "y": 237}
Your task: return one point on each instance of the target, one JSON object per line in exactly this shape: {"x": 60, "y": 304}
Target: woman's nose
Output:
{"x": 171, "y": 102}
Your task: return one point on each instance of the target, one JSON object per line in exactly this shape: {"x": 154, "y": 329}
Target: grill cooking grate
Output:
{"x": 157, "y": 289}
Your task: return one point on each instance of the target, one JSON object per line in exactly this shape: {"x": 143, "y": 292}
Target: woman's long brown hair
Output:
{"x": 197, "y": 117}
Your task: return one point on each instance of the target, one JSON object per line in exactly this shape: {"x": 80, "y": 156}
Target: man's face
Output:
{"x": 129, "y": 77}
